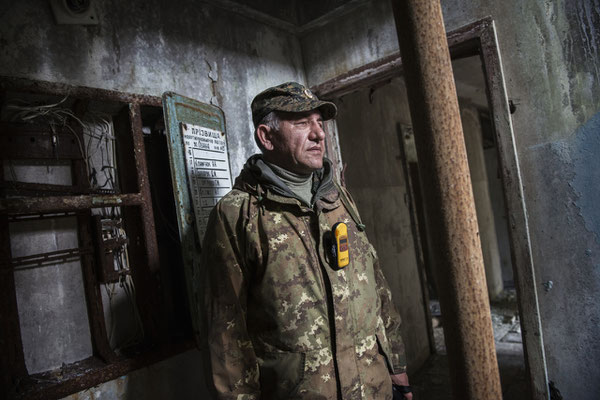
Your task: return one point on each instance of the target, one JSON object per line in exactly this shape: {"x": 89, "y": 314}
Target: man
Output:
{"x": 286, "y": 320}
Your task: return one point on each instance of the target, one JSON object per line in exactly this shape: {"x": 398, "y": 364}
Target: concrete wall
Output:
{"x": 551, "y": 60}
{"x": 369, "y": 146}
{"x": 149, "y": 47}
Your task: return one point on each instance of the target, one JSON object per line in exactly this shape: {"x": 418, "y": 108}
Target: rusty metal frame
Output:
{"x": 463, "y": 42}
{"x": 46, "y": 258}
{"x": 34, "y": 205}
{"x": 480, "y": 38}
{"x": 24, "y": 85}
{"x": 43, "y": 201}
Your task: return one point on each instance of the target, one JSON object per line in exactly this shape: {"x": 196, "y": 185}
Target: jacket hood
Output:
{"x": 257, "y": 176}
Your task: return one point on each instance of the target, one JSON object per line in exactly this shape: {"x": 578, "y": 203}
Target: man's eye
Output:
{"x": 301, "y": 123}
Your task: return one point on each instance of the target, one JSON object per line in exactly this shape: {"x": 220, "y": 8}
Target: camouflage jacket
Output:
{"x": 282, "y": 323}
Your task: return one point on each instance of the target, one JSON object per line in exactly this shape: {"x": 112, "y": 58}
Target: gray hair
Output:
{"x": 272, "y": 121}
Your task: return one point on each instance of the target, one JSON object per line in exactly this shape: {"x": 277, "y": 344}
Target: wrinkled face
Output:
{"x": 299, "y": 145}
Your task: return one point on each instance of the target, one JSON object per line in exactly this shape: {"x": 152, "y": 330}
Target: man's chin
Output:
{"x": 313, "y": 166}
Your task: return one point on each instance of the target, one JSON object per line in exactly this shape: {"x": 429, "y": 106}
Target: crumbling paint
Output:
{"x": 579, "y": 152}
{"x": 585, "y": 16}
{"x": 586, "y": 165}
{"x": 369, "y": 32}
{"x": 213, "y": 75}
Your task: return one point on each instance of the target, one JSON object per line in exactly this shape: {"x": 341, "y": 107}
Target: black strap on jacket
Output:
{"x": 350, "y": 207}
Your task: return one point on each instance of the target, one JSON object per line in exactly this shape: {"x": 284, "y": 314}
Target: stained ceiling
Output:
{"x": 296, "y": 16}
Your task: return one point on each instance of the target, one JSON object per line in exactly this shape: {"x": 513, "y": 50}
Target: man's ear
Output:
{"x": 264, "y": 135}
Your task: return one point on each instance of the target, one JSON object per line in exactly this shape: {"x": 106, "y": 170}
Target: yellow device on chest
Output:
{"x": 340, "y": 234}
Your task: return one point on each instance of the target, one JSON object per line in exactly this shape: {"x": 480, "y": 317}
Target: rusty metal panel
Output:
{"x": 17, "y": 189}
{"x": 34, "y": 205}
{"x": 182, "y": 110}
{"x": 24, "y": 85}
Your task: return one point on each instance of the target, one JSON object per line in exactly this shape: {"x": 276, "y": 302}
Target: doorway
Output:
{"x": 376, "y": 110}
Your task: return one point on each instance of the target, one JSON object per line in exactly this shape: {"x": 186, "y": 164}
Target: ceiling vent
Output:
{"x": 74, "y": 12}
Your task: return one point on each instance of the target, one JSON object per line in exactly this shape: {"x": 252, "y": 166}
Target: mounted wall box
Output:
{"x": 74, "y": 12}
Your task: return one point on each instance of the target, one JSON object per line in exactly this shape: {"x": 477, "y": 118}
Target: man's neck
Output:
{"x": 289, "y": 175}
{"x": 299, "y": 184}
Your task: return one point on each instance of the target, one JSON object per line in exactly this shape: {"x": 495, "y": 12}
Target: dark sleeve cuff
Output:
{"x": 398, "y": 364}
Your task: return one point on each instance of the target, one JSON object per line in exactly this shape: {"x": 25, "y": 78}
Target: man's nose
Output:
{"x": 317, "y": 131}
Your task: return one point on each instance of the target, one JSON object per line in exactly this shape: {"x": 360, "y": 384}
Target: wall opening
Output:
{"x": 372, "y": 82}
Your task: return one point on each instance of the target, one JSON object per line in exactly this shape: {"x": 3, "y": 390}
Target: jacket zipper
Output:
{"x": 328, "y": 290}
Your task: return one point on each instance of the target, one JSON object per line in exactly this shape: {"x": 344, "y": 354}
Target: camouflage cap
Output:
{"x": 289, "y": 97}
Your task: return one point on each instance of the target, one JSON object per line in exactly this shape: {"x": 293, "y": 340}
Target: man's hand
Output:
{"x": 402, "y": 380}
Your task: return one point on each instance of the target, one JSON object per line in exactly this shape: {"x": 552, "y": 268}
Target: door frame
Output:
{"x": 479, "y": 38}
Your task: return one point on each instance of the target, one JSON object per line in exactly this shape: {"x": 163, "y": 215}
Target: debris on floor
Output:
{"x": 432, "y": 381}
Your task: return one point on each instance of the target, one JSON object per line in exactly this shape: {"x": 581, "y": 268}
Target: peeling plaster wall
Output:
{"x": 149, "y": 47}
{"x": 551, "y": 60}
{"x": 350, "y": 42}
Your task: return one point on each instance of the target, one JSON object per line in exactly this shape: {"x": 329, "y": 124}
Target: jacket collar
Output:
{"x": 257, "y": 177}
